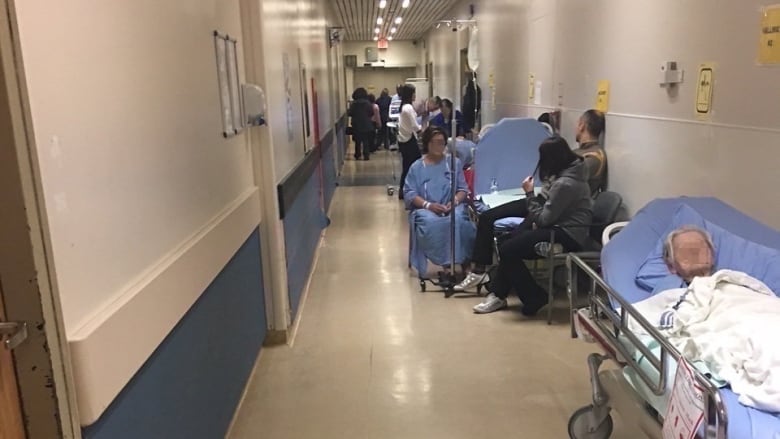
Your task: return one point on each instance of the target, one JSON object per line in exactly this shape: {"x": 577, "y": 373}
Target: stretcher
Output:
{"x": 639, "y": 387}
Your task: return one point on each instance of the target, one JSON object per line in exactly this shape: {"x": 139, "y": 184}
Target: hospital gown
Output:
{"x": 431, "y": 233}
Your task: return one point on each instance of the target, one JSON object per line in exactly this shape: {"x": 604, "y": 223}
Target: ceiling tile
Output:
{"x": 358, "y": 17}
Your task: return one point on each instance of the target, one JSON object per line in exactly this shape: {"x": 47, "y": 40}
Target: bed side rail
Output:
{"x": 615, "y": 323}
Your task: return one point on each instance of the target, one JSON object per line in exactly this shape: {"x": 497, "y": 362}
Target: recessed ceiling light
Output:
{"x": 380, "y": 20}
{"x": 376, "y": 38}
{"x": 393, "y": 30}
{"x": 390, "y": 38}
{"x": 398, "y": 20}
{"x": 405, "y": 4}
{"x": 376, "y": 30}
{"x": 382, "y": 4}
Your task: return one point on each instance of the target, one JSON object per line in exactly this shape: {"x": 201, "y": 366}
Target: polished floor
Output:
{"x": 374, "y": 358}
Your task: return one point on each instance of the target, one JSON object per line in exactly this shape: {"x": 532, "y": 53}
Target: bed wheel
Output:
{"x": 579, "y": 425}
{"x": 390, "y": 191}
{"x": 422, "y": 286}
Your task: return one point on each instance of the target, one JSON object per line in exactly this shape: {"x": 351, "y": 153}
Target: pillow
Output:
{"x": 740, "y": 254}
{"x": 731, "y": 252}
{"x": 654, "y": 268}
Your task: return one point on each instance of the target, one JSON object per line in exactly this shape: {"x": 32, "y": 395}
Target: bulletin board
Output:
{"x": 231, "y": 107}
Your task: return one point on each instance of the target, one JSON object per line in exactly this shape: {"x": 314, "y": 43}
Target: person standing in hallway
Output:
{"x": 362, "y": 112}
{"x": 383, "y": 102}
{"x": 590, "y": 127}
{"x": 407, "y": 133}
{"x": 377, "y": 119}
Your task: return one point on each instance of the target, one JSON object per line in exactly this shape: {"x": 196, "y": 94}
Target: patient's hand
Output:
{"x": 528, "y": 184}
{"x": 438, "y": 209}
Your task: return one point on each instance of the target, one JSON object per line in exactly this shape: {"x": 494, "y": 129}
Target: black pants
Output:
{"x": 512, "y": 272}
{"x": 384, "y": 136}
{"x": 410, "y": 152}
{"x": 483, "y": 244}
{"x": 363, "y": 143}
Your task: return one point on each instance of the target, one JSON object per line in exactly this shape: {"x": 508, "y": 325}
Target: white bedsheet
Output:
{"x": 731, "y": 322}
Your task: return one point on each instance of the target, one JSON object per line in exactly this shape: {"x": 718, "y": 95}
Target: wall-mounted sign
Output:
{"x": 704, "y": 86}
{"x": 602, "y": 96}
{"x": 531, "y": 87}
{"x": 769, "y": 43}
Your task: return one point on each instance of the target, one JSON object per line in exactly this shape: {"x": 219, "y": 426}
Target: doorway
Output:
{"x": 36, "y": 397}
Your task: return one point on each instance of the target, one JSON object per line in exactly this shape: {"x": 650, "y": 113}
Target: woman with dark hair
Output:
{"x": 444, "y": 119}
{"x": 564, "y": 203}
{"x": 362, "y": 112}
{"x": 427, "y": 192}
{"x": 407, "y": 132}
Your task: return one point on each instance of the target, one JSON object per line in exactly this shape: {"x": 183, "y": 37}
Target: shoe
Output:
{"x": 472, "y": 280}
{"x": 492, "y": 303}
{"x": 530, "y": 309}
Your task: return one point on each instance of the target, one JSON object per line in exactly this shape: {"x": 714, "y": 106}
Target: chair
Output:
{"x": 605, "y": 209}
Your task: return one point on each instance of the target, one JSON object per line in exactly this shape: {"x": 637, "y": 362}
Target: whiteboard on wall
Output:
{"x": 226, "y": 53}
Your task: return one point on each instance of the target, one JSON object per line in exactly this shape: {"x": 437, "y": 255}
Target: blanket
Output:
{"x": 729, "y": 322}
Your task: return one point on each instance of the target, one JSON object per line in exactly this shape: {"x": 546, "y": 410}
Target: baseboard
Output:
{"x": 275, "y": 337}
{"x": 116, "y": 341}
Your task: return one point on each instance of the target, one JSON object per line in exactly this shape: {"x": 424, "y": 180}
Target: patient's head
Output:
{"x": 689, "y": 252}
{"x": 590, "y": 126}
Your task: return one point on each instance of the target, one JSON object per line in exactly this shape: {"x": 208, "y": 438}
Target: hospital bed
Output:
{"x": 631, "y": 266}
{"x": 507, "y": 153}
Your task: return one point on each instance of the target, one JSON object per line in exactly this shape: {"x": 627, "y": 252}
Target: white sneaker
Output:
{"x": 492, "y": 303}
{"x": 472, "y": 280}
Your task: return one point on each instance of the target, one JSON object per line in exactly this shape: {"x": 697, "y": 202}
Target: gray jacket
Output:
{"x": 568, "y": 204}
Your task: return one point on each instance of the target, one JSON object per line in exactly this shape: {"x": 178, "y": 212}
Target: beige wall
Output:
{"x": 374, "y": 80}
{"x": 398, "y": 53}
{"x": 656, "y": 147}
{"x": 286, "y": 28}
{"x": 126, "y": 118}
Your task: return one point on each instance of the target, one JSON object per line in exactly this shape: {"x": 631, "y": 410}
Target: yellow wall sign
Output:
{"x": 769, "y": 44}
{"x": 704, "y": 86}
{"x": 602, "y": 96}
{"x": 531, "y": 86}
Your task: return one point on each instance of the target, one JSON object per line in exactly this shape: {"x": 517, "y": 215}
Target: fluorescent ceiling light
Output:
{"x": 376, "y": 38}
{"x": 382, "y": 4}
{"x": 390, "y": 38}
{"x": 393, "y": 30}
{"x": 398, "y": 20}
{"x": 376, "y": 30}
{"x": 380, "y": 20}
{"x": 405, "y": 4}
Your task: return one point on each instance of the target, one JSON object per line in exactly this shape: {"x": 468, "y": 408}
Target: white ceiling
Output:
{"x": 358, "y": 17}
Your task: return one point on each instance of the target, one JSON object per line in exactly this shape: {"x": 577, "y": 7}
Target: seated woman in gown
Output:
{"x": 427, "y": 194}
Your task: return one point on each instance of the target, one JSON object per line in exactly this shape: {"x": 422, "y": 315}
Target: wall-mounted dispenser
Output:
{"x": 670, "y": 75}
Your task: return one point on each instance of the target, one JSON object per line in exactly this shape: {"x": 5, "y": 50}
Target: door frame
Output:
{"x": 43, "y": 367}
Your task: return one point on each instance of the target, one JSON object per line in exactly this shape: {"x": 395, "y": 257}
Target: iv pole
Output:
{"x": 449, "y": 282}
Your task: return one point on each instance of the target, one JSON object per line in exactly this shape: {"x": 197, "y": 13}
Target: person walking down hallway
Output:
{"x": 362, "y": 113}
{"x": 407, "y": 133}
{"x": 383, "y": 101}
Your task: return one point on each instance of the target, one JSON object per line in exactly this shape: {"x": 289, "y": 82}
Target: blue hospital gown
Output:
{"x": 431, "y": 233}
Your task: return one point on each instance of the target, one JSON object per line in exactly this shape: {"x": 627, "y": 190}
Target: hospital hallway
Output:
{"x": 375, "y": 358}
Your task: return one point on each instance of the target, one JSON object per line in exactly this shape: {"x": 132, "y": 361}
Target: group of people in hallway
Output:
{"x": 570, "y": 179}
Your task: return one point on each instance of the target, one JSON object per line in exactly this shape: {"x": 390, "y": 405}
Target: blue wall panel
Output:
{"x": 190, "y": 386}
{"x": 330, "y": 176}
{"x": 303, "y": 225}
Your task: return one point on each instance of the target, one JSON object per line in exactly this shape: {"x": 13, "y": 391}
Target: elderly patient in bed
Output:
{"x": 725, "y": 322}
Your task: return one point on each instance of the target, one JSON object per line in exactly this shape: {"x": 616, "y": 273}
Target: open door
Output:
{"x": 36, "y": 397}
{"x": 11, "y": 426}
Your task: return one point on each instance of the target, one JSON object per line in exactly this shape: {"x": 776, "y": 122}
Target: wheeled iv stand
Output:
{"x": 446, "y": 280}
